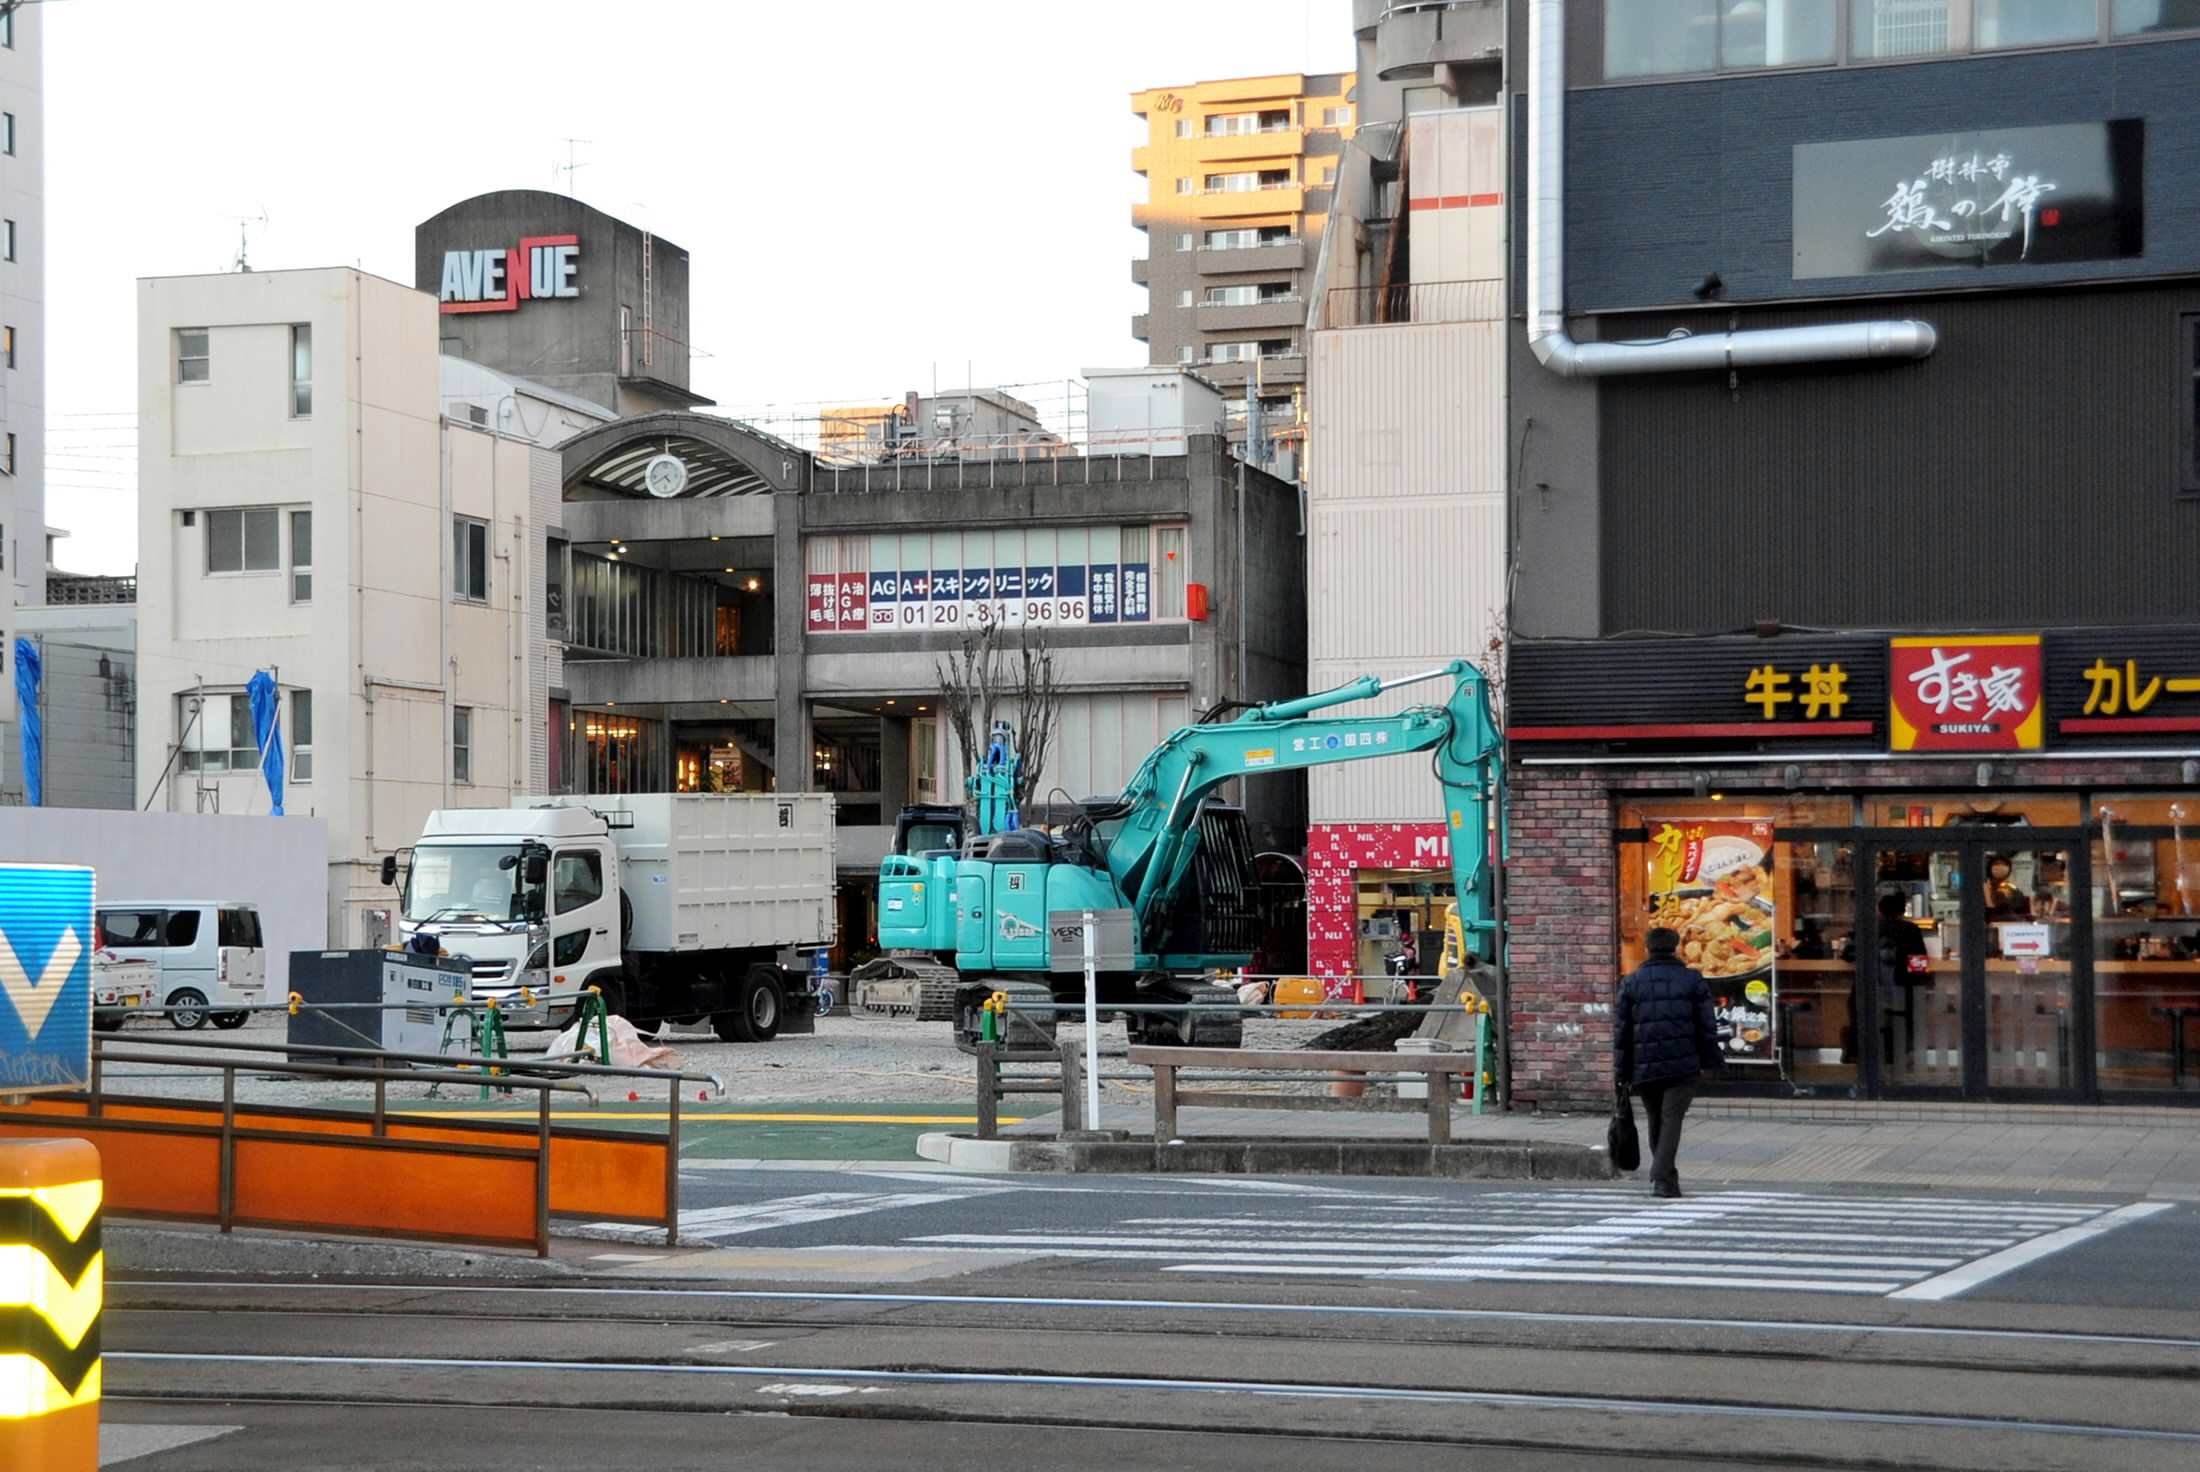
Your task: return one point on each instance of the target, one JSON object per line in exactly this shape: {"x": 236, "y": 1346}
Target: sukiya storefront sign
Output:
{"x": 2001, "y": 197}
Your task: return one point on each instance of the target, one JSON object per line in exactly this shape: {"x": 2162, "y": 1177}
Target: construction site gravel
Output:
{"x": 851, "y": 1058}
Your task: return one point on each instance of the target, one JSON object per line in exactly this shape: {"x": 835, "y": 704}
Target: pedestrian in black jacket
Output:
{"x": 1664, "y": 1034}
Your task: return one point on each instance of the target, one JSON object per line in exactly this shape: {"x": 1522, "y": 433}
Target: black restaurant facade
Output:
{"x": 1792, "y": 643}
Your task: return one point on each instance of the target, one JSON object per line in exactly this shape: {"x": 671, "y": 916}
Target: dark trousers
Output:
{"x": 1664, "y": 1104}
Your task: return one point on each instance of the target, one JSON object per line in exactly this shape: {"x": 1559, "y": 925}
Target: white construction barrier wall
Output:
{"x": 278, "y": 864}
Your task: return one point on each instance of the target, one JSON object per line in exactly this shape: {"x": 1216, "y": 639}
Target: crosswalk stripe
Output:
{"x": 1908, "y": 1247}
{"x": 1822, "y": 1246}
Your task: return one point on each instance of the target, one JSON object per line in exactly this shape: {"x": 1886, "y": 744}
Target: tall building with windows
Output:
{"x": 1239, "y": 176}
{"x": 1405, "y": 484}
{"x": 319, "y": 499}
{"x": 22, "y": 352}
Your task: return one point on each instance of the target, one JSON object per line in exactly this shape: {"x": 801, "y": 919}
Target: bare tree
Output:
{"x": 980, "y": 681}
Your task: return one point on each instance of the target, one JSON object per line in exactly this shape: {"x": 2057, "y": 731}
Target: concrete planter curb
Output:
{"x": 1507, "y": 1160}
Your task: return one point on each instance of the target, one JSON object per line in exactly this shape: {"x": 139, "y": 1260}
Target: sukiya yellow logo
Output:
{"x": 34, "y": 1000}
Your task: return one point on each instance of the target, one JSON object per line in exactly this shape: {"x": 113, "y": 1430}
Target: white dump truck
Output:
{"x": 677, "y": 906}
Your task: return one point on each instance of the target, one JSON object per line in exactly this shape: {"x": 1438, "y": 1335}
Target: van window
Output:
{"x": 183, "y": 927}
{"x": 578, "y": 880}
{"x": 241, "y": 927}
{"x": 129, "y": 927}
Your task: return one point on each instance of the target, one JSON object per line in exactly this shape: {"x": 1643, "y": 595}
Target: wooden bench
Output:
{"x": 1439, "y": 1067}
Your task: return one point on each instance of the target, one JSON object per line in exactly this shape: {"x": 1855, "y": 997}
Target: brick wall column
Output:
{"x": 1561, "y": 884}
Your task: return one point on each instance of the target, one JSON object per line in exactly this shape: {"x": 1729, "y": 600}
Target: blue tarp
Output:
{"x": 267, "y": 730}
{"x": 28, "y": 669}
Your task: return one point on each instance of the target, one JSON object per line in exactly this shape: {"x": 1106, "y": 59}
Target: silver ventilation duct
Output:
{"x": 1547, "y": 263}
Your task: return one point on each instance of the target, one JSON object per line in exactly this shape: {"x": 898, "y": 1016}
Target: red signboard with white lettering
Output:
{"x": 853, "y": 610}
{"x": 1976, "y": 693}
{"x": 821, "y": 602}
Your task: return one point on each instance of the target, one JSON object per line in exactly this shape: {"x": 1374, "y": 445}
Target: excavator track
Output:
{"x": 915, "y": 987}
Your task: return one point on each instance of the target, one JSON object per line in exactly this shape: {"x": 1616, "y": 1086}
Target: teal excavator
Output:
{"x": 988, "y": 908}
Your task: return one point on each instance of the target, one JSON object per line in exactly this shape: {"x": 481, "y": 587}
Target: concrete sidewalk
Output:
{"x": 2122, "y": 1151}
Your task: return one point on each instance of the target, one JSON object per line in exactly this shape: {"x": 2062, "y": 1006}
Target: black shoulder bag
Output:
{"x": 1620, "y": 1140}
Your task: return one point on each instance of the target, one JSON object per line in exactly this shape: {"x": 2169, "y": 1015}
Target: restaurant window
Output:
{"x": 2148, "y": 17}
{"x": 2145, "y": 905}
{"x": 1769, "y": 920}
{"x": 1976, "y": 809}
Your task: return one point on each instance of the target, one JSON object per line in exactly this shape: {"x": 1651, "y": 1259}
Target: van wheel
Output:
{"x": 228, "y": 1021}
{"x": 187, "y": 1010}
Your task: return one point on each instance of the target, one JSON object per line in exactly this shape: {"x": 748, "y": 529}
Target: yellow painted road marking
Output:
{"x": 702, "y": 1114}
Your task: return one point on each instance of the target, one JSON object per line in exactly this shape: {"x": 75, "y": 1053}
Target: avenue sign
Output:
{"x": 539, "y": 268}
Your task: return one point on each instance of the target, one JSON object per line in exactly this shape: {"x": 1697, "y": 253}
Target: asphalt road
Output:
{"x": 931, "y": 1320}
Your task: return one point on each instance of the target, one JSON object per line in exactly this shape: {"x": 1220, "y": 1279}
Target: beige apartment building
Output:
{"x": 1239, "y": 179}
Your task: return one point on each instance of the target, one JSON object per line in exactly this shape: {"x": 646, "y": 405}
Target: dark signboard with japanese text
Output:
{"x": 2066, "y": 689}
{"x": 1996, "y": 197}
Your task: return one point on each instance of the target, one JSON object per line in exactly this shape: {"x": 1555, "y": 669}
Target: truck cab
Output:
{"x": 530, "y": 897}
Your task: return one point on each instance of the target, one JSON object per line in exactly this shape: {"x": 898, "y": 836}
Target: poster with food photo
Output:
{"x": 1712, "y": 882}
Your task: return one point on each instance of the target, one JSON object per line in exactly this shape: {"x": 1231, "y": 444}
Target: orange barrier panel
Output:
{"x": 371, "y": 1187}
{"x": 454, "y": 1180}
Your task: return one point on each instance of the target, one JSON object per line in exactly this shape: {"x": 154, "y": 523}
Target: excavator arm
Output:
{"x": 1151, "y": 854}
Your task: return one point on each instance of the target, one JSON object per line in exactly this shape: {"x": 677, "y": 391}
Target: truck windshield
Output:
{"x": 459, "y": 882}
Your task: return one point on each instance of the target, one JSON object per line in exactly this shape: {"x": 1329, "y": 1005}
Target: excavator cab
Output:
{"x": 928, "y": 828}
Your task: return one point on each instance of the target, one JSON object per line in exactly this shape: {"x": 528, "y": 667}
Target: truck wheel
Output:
{"x": 756, "y": 1018}
{"x": 107, "y": 1021}
{"x": 188, "y": 1010}
{"x": 228, "y": 1021}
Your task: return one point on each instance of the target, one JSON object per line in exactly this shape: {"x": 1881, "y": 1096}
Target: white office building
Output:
{"x": 22, "y": 353}
{"x": 323, "y": 497}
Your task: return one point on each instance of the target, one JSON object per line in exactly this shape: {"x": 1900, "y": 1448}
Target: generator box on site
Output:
{"x": 408, "y": 996}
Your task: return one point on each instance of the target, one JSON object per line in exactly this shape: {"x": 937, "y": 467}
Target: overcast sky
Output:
{"x": 872, "y": 194}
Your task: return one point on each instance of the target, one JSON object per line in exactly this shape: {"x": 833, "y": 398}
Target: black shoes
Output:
{"x": 1669, "y": 1189}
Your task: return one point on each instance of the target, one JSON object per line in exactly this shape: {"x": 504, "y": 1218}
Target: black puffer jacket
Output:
{"x": 1663, "y": 1026}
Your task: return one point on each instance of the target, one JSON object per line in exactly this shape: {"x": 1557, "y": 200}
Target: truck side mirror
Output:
{"x": 538, "y": 868}
{"x": 389, "y": 868}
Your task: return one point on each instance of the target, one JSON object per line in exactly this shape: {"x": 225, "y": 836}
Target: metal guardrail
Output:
{"x": 96, "y": 1110}
{"x": 1413, "y": 301}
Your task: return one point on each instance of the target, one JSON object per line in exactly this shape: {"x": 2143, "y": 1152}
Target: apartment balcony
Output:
{"x": 1282, "y": 311}
{"x": 1140, "y": 326}
{"x": 1280, "y": 370}
{"x": 1414, "y": 37}
{"x": 1224, "y": 204}
{"x": 1138, "y": 272}
{"x": 1286, "y": 142}
{"x": 1286, "y": 255}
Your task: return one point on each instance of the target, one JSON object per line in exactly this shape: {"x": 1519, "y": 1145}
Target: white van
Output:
{"x": 209, "y": 956}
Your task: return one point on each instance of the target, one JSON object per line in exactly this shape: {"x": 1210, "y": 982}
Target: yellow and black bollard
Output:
{"x": 50, "y": 1290}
